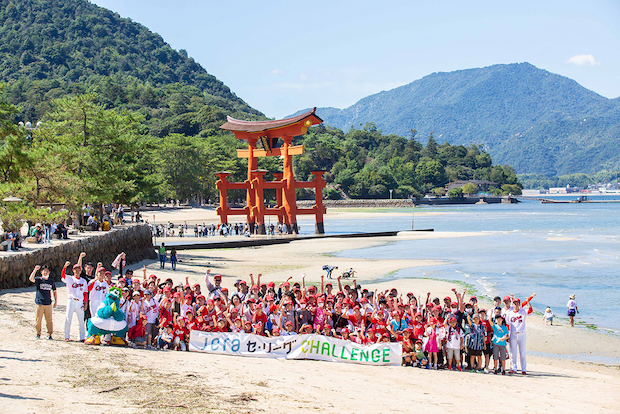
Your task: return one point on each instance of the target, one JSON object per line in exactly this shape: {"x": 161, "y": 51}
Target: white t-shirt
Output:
{"x": 150, "y": 309}
{"x": 516, "y": 320}
{"x": 97, "y": 290}
{"x": 571, "y": 305}
{"x": 454, "y": 338}
{"x": 76, "y": 287}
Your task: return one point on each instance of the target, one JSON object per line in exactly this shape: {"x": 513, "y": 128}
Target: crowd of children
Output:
{"x": 456, "y": 334}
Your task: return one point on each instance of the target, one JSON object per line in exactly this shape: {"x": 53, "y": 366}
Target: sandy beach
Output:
{"x": 55, "y": 376}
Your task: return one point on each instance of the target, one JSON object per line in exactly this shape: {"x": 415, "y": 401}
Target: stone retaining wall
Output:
{"x": 404, "y": 202}
{"x": 134, "y": 240}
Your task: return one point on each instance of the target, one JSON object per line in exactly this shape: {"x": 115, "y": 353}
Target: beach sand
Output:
{"x": 56, "y": 376}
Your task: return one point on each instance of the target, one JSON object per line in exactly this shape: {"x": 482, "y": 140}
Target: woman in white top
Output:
{"x": 571, "y": 308}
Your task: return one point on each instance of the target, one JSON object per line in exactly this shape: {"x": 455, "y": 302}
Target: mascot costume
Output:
{"x": 108, "y": 319}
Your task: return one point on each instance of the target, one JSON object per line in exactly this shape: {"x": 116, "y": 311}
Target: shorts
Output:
{"x": 151, "y": 329}
{"x": 488, "y": 350}
{"x": 141, "y": 339}
{"x": 453, "y": 353}
{"x": 475, "y": 352}
{"x": 499, "y": 352}
{"x": 570, "y": 312}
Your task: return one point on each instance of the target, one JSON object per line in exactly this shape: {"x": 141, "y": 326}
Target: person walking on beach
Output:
{"x": 43, "y": 299}
{"x": 571, "y": 309}
{"x": 516, "y": 322}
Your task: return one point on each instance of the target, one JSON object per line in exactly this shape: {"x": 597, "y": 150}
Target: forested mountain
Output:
{"x": 51, "y": 48}
{"x": 534, "y": 120}
{"x": 118, "y": 116}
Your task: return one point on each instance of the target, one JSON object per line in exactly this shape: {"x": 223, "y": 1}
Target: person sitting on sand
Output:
{"x": 548, "y": 316}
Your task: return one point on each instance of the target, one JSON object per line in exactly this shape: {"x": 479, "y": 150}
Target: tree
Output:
{"x": 455, "y": 193}
{"x": 470, "y": 188}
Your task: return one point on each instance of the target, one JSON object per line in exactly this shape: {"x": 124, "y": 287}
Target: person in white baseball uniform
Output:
{"x": 516, "y": 322}
{"x": 76, "y": 299}
{"x": 97, "y": 289}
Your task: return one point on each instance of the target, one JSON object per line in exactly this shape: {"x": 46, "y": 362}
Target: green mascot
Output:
{"x": 108, "y": 319}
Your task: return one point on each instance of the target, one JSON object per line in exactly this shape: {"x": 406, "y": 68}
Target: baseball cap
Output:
{"x": 77, "y": 266}
{"x": 516, "y": 300}
{"x": 217, "y": 277}
{"x": 167, "y": 289}
{"x": 447, "y": 298}
{"x": 506, "y": 298}
{"x": 148, "y": 292}
{"x": 454, "y": 305}
{"x": 271, "y": 284}
{"x": 199, "y": 297}
{"x": 195, "y": 285}
{"x": 135, "y": 292}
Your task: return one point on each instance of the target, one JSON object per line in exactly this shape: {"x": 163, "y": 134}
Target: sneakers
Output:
{"x": 523, "y": 372}
{"x": 50, "y": 338}
{"x": 38, "y": 336}
{"x": 66, "y": 339}
{"x": 458, "y": 368}
{"x": 495, "y": 371}
{"x": 486, "y": 370}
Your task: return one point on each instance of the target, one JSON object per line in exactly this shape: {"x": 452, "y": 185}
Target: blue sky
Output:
{"x": 282, "y": 56}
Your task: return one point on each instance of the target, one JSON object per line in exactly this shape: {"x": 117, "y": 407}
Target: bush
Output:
{"x": 332, "y": 194}
{"x": 455, "y": 193}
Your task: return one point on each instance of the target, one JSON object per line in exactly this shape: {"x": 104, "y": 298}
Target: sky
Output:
{"x": 283, "y": 56}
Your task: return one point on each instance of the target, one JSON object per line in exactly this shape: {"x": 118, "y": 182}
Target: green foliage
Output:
{"x": 332, "y": 194}
{"x": 364, "y": 163}
{"x": 470, "y": 188}
{"x": 455, "y": 193}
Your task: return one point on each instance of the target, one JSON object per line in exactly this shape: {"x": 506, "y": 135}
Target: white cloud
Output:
{"x": 583, "y": 60}
{"x": 277, "y": 72}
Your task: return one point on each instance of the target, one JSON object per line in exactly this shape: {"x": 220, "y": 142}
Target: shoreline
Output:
{"x": 134, "y": 380}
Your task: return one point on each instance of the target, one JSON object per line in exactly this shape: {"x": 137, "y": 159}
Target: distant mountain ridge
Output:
{"x": 534, "y": 120}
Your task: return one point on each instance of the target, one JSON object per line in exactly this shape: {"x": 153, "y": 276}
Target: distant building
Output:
{"x": 483, "y": 185}
{"x": 531, "y": 193}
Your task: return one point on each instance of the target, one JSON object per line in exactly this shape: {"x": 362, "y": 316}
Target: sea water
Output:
{"x": 553, "y": 250}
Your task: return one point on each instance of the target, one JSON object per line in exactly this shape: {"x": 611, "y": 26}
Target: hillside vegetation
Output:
{"x": 532, "y": 119}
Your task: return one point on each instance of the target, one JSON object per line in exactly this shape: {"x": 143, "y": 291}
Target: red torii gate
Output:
{"x": 268, "y": 133}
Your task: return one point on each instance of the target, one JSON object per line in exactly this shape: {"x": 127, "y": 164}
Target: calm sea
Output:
{"x": 551, "y": 249}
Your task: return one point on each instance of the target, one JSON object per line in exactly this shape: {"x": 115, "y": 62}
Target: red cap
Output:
{"x": 419, "y": 342}
{"x": 234, "y": 310}
{"x": 153, "y": 277}
{"x": 447, "y": 298}
{"x": 516, "y": 300}
{"x": 167, "y": 289}
{"x": 329, "y": 284}
{"x": 108, "y": 273}
{"x": 474, "y": 298}
{"x": 99, "y": 269}
{"x": 344, "y": 330}
{"x": 410, "y": 294}
{"x": 188, "y": 296}
{"x": 286, "y": 284}
{"x": 135, "y": 280}
{"x": 217, "y": 277}
{"x": 210, "y": 301}
{"x": 395, "y": 313}
{"x": 289, "y": 323}
{"x": 224, "y": 289}
{"x": 196, "y": 285}
{"x": 200, "y": 297}
{"x": 77, "y": 266}
{"x": 255, "y": 287}
{"x": 506, "y": 298}
{"x": 271, "y": 284}
{"x": 454, "y": 305}
{"x": 243, "y": 282}
{"x": 176, "y": 295}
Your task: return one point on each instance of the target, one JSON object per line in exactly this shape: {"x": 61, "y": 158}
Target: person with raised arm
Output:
{"x": 43, "y": 299}
{"x": 515, "y": 319}
{"x": 77, "y": 297}
{"x": 215, "y": 288}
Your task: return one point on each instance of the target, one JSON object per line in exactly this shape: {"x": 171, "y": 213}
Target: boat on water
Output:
{"x": 582, "y": 199}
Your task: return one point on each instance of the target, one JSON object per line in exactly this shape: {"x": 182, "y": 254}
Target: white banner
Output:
{"x": 318, "y": 347}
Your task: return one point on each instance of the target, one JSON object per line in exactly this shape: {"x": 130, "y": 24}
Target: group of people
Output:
{"x": 454, "y": 334}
